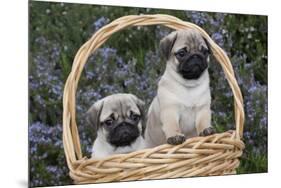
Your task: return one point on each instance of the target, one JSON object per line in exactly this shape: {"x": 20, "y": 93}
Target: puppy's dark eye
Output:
{"x": 205, "y": 51}
{"x": 134, "y": 117}
{"x": 108, "y": 122}
{"x": 181, "y": 53}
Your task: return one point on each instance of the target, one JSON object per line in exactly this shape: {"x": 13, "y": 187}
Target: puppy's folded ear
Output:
{"x": 141, "y": 106}
{"x": 93, "y": 114}
{"x": 208, "y": 45}
{"x": 167, "y": 43}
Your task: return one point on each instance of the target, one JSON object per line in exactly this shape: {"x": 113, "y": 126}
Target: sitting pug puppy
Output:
{"x": 181, "y": 108}
{"x": 118, "y": 121}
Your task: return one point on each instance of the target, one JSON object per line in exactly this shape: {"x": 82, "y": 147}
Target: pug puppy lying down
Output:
{"x": 181, "y": 108}
{"x": 118, "y": 121}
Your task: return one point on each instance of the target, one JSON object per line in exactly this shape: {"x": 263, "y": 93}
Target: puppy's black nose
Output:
{"x": 196, "y": 59}
{"x": 193, "y": 66}
{"x": 123, "y": 124}
{"x": 123, "y": 134}
{"x": 126, "y": 130}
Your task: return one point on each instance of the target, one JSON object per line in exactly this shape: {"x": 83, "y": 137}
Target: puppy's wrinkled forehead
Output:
{"x": 191, "y": 39}
{"x": 118, "y": 105}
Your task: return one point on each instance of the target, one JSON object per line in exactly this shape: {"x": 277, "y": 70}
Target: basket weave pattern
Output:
{"x": 216, "y": 154}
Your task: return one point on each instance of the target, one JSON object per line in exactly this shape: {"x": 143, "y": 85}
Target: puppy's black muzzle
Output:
{"x": 123, "y": 134}
{"x": 192, "y": 66}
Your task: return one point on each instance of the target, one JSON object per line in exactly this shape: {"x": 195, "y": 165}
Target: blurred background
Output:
{"x": 130, "y": 62}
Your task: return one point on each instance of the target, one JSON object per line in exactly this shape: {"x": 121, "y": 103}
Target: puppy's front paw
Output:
{"x": 208, "y": 131}
{"x": 176, "y": 140}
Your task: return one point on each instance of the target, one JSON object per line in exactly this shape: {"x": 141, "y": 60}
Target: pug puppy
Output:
{"x": 181, "y": 108}
{"x": 118, "y": 121}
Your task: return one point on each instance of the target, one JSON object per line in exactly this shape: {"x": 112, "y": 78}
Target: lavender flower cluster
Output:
{"x": 46, "y": 152}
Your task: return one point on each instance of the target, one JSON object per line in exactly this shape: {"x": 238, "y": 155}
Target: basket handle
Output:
{"x": 70, "y": 133}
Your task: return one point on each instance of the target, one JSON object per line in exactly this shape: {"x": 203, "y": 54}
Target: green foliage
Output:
{"x": 257, "y": 164}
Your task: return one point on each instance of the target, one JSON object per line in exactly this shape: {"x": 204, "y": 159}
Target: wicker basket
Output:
{"x": 199, "y": 156}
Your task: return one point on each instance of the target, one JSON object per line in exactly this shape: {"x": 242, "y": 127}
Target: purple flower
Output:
{"x": 218, "y": 38}
{"x": 100, "y": 23}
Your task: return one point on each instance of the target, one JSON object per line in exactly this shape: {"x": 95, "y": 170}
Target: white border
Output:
{"x": 232, "y": 6}
{"x": 14, "y": 99}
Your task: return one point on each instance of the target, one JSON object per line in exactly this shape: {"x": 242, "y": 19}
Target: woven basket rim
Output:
{"x": 71, "y": 139}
